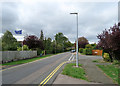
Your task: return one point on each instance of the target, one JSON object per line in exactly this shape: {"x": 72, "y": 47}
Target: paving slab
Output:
{"x": 64, "y": 79}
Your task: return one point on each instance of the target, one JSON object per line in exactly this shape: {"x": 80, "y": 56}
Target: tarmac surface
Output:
{"x": 48, "y": 71}
{"x": 35, "y": 72}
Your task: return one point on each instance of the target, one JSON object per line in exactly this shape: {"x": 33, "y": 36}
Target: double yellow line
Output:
{"x": 52, "y": 73}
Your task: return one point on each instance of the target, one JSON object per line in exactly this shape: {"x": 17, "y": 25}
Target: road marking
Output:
{"x": 50, "y": 74}
{"x": 28, "y": 63}
{"x": 73, "y": 58}
{"x": 53, "y": 72}
{"x": 70, "y": 57}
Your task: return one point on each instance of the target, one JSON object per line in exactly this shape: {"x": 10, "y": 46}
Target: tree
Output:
{"x": 53, "y": 46}
{"x": 92, "y": 46}
{"x": 8, "y": 41}
{"x": 48, "y": 46}
{"x": 59, "y": 38}
{"x": 88, "y": 46}
{"x": 62, "y": 41}
{"x": 82, "y": 41}
{"x": 59, "y": 48}
{"x": 67, "y": 45}
{"x": 45, "y": 43}
{"x": 0, "y": 44}
{"x": 42, "y": 40}
{"x": 109, "y": 40}
{"x": 41, "y": 36}
{"x": 33, "y": 42}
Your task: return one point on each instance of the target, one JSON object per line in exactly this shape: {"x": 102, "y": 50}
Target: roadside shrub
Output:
{"x": 84, "y": 51}
{"x": 106, "y": 57}
{"x": 81, "y": 50}
{"x": 88, "y": 51}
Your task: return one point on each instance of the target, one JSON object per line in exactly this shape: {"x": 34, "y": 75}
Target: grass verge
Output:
{"x": 74, "y": 71}
{"x": 96, "y": 61}
{"x": 100, "y": 61}
{"x": 111, "y": 71}
{"x": 25, "y": 60}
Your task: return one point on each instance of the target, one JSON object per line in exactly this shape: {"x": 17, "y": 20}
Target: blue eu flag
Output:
{"x": 18, "y": 31}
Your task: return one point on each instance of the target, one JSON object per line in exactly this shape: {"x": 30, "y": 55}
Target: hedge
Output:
{"x": 106, "y": 57}
{"x": 81, "y": 50}
{"x": 88, "y": 51}
{"x": 84, "y": 51}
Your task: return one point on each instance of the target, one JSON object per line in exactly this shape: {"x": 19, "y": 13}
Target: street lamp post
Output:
{"x": 76, "y": 39}
{"x": 119, "y": 24}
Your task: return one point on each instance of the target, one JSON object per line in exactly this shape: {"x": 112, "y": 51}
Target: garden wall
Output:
{"x": 8, "y": 56}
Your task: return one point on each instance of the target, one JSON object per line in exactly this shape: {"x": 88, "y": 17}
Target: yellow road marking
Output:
{"x": 46, "y": 79}
{"x": 52, "y": 73}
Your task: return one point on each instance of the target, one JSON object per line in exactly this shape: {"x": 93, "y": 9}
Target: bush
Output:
{"x": 81, "y": 50}
{"x": 25, "y": 47}
{"x": 88, "y": 51}
{"x": 106, "y": 57}
{"x": 84, "y": 51}
{"x": 19, "y": 48}
{"x": 39, "y": 51}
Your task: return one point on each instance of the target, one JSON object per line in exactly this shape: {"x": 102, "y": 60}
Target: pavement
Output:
{"x": 64, "y": 79}
{"x": 94, "y": 74}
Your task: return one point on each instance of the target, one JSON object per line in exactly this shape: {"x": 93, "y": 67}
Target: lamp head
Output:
{"x": 73, "y": 13}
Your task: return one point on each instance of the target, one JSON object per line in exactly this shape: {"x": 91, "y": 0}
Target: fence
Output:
{"x": 8, "y": 56}
{"x": 97, "y": 52}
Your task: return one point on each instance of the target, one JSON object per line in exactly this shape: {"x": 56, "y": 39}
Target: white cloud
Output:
{"x": 18, "y": 37}
{"x": 53, "y": 17}
{"x": 1, "y": 34}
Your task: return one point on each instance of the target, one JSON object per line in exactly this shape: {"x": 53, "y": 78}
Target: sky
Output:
{"x": 54, "y": 16}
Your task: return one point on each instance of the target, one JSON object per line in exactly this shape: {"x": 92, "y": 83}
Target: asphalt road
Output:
{"x": 36, "y": 72}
